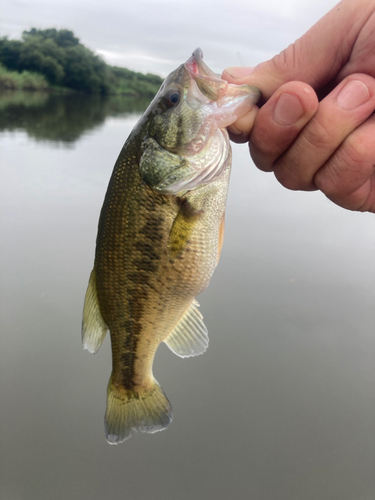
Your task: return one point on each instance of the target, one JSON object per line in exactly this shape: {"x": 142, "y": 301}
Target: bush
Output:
{"x": 27, "y": 80}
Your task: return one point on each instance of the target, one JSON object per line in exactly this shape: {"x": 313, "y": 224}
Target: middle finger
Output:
{"x": 346, "y": 107}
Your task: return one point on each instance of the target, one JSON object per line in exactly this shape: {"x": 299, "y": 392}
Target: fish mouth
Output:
{"x": 209, "y": 83}
{"x": 196, "y": 66}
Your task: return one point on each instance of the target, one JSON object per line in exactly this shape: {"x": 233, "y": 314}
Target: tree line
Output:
{"x": 59, "y": 56}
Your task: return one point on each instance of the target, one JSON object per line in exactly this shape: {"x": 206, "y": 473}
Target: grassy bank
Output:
{"x": 25, "y": 80}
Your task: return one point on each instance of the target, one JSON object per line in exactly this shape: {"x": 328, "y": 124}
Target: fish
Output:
{"x": 160, "y": 235}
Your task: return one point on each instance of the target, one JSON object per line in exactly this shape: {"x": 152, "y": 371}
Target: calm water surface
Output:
{"x": 282, "y": 405}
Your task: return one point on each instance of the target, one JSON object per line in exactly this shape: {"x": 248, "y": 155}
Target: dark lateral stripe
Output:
{"x": 144, "y": 266}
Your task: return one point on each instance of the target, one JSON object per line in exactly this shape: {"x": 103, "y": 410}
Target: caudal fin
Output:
{"x": 130, "y": 410}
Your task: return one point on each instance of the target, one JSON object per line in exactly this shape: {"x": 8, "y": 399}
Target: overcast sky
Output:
{"x": 157, "y": 35}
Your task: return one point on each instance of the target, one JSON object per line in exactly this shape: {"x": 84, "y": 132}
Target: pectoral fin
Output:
{"x": 94, "y": 328}
{"x": 221, "y": 237}
{"x": 190, "y": 335}
{"x": 182, "y": 228}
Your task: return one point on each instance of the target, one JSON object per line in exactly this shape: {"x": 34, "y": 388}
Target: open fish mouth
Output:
{"x": 196, "y": 65}
{"x": 209, "y": 83}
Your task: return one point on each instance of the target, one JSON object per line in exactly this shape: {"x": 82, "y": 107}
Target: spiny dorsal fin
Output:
{"x": 94, "y": 328}
{"x": 182, "y": 227}
{"x": 190, "y": 335}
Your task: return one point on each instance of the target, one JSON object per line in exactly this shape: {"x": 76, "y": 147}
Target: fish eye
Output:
{"x": 172, "y": 98}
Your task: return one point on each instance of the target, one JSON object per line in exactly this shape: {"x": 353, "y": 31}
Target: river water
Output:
{"x": 280, "y": 407}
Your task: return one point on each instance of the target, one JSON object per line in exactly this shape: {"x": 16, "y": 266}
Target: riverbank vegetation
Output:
{"x": 53, "y": 59}
{"x": 25, "y": 80}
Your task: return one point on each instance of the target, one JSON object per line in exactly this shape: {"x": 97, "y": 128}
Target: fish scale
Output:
{"x": 159, "y": 239}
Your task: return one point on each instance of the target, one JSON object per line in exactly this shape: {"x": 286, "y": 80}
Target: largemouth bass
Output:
{"x": 159, "y": 238}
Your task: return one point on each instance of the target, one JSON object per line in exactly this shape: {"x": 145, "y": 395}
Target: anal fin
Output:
{"x": 190, "y": 335}
{"x": 94, "y": 328}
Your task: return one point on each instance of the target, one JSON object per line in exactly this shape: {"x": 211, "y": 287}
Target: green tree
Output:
{"x": 85, "y": 71}
{"x": 10, "y": 53}
{"x": 44, "y": 56}
{"x": 62, "y": 38}
{"x": 63, "y": 60}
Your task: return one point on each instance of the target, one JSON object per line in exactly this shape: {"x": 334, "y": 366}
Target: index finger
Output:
{"x": 279, "y": 122}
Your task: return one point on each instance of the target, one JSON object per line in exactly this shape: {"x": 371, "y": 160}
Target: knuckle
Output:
{"x": 286, "y": 60}
{"x": 348, "y": 167}
{"x": 357, "y": 150}
{"x": 327, "y": 179}
{"x": 319, "y": 135}
{"x": 261, "y": 141}
{"x": 289, "y": 60}
{"x": 288, "y": 178}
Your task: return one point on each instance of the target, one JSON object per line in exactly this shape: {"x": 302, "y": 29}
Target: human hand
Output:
{"x": 316, "y": 129}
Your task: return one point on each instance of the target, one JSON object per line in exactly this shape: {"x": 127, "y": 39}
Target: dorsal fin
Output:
{"x": 190, "y": 335}
{"x": 94, "y": 328}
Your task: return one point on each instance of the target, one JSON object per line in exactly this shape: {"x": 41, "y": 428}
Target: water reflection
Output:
{"x": 282, "y": 405}
{"x": 61, "y": 118}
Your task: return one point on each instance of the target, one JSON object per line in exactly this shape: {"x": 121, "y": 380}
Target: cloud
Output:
{"x": 156, "y": 36}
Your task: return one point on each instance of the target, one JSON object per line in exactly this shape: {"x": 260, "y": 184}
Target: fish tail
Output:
{"x": 136, "y": 409}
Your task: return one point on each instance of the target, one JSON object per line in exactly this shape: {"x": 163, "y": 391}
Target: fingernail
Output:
{"x": 353, "y": 94}
{"x": 287, "y": 110}
{"x": 235, "y": 131}
{"x": 238, "y": 71}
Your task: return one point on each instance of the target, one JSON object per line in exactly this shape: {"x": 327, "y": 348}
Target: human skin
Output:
{"x": 316, "y": 127}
